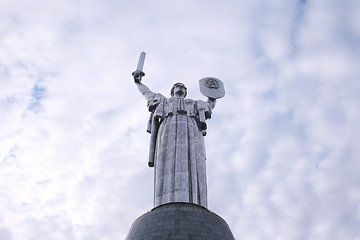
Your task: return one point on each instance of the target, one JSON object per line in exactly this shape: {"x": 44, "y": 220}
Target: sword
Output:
{"x": 138, "y": 74}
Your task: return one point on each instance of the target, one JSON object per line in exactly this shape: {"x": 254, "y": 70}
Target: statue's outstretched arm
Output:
{"x": 144, "y": 90}
{"x": 211, "y": 102}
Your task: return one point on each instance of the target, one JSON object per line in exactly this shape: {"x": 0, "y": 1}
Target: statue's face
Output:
{"x": 179, "y": 90}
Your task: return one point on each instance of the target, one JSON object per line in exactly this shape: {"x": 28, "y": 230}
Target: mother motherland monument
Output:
{"x": 177, "y": 128}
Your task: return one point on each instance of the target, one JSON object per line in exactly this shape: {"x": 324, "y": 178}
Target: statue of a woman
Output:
{"x": 177, "y": 151}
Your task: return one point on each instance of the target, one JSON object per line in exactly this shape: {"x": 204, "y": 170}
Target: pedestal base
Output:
{"x": 179, "y": 221}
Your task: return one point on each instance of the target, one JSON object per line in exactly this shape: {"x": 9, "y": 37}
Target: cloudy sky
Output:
{"x": 283, "y": 146}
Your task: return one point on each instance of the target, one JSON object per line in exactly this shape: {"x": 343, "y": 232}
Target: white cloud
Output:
{"x": 73, "y": 142}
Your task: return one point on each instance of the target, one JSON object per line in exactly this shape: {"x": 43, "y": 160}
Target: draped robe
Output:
{"x": 177, "y": 149}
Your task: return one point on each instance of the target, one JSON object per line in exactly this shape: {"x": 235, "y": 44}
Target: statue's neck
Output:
{"x": 178, "y": 96}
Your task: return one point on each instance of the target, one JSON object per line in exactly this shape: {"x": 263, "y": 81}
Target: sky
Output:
{"x": 283, "y": 155}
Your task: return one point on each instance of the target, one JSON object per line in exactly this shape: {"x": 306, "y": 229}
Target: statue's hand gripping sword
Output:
{"x": 138, "y": 74}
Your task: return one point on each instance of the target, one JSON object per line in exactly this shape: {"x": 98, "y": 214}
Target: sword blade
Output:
{"x": 141, "y": 61}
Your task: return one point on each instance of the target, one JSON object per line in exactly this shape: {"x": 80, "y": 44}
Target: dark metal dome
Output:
{"x": 179, "y": 221}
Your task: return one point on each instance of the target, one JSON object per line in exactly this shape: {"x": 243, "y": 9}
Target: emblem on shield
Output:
{"x": 212, "y": 87}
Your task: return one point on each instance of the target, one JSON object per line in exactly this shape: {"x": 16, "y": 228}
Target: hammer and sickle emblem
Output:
{"x": 212, "y": 83}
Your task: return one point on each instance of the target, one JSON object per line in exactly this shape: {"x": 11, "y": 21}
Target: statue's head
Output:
{"x": 179, "y": 89}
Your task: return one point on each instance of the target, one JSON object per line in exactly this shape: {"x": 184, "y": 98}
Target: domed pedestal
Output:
{"x": 179, "y": 221}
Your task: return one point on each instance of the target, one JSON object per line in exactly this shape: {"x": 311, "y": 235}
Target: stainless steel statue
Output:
{"x": 177, "y": 150}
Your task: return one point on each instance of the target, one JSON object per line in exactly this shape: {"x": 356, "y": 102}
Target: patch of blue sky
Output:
{"x": 105, "y": 115}
{"x": 321, "y": 156}
{"x": 38, "y": 94}
{"x": 11, "y": 155}
{"x": 286, "y": 123}
{"x": 270, "y": 94}
{"x": 21, "y": 65}
{"x": 4, "y": 71}
{"x": 300, "y": 12}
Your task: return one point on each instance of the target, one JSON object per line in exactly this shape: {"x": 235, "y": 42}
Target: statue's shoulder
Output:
{"x": 187, "y": 100}
{"x": 155, "y": 100}
{"x": 158, "y": 96}
{"x": 190, "y": 102}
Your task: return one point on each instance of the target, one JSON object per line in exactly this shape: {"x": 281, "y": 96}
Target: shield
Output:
{"x": 212, "y": 87}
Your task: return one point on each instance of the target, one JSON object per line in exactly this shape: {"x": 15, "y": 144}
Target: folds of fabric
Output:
{"x": 179, "y": 151}
{"x": 180, "y": 174}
